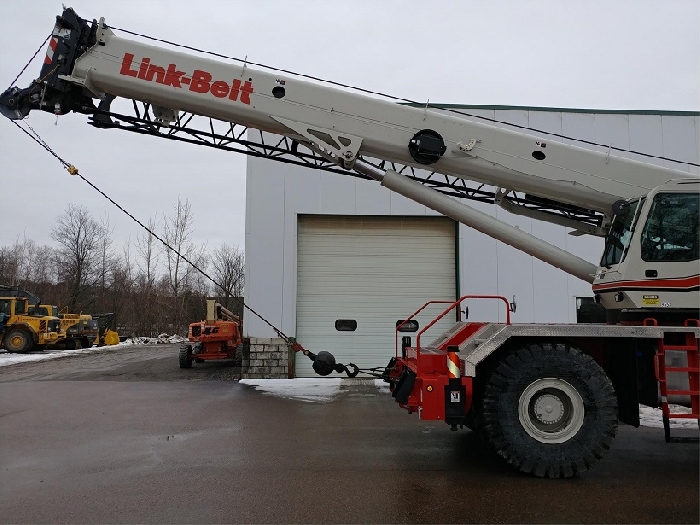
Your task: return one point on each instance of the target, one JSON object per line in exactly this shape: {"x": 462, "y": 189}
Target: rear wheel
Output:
{"x": 548, "y": 409}
{"x": 238, "y": 358}
{"x": 85, "y": 342}
{"x": 18, "y": 341}
{"x": 185, "y": 356}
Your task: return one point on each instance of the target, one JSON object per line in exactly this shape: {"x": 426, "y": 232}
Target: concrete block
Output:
{"x": 257, "y": 348}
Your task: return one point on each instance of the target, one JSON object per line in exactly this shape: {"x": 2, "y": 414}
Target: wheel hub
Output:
{"x": 551, "y": 410}
{"x": 548, "y": 409}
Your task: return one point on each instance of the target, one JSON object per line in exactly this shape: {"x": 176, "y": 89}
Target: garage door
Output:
{"x": 369, "y": 272}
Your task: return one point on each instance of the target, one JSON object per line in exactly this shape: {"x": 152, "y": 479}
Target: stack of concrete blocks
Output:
{"x": 267, "y": 358}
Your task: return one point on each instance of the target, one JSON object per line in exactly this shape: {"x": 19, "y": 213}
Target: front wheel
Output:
{"x": 18, "y": 341}
{"x": 548, "y": 409}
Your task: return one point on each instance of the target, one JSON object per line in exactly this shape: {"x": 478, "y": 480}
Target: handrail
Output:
{"x": 445, "y": 312}
{"x": 396, "y": 335}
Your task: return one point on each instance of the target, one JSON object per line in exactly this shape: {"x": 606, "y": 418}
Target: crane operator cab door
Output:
{"x": 651, "y": 260}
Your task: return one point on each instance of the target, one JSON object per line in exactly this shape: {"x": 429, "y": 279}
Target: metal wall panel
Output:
{"x": 277, "y": 193}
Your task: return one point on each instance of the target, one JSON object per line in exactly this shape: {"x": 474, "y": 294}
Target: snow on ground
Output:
{"x": 161, "y": 339}
{"x": 382, "y": 385}
{"x": 307, "y": 389}
{"x": 7, "y": 358}
{"x": 651, "y": 417}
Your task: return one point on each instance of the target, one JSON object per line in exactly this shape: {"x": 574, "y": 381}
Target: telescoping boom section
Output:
{"x": 546, "y": 398}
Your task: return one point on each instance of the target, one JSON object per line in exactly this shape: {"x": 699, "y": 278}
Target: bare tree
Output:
{"x": 145, "y": 294}
{"x": 147, "y": 262}
{"x": 28, "y": 266}
{"x": 121, "y": 296}
{"x": 229, "y": 272}
{"x": 81, "y": 240}
{"x": 107, "y": 267}
{"x": 177, "y": 233}
{"x": 9, "y": 266}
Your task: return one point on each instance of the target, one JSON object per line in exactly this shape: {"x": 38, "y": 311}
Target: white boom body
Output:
{"x": 360, "y": 124}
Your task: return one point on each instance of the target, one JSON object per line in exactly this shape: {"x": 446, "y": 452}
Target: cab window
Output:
{"x": 619, "y": 237}
{"x": 671, "y": 229}
{"x": 5, "y": 307}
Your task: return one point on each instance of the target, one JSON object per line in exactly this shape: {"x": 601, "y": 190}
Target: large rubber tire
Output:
{"x": 85, "y": 342}
{"x": 238, "y": 359}
{"x": 548, "y": 409}
{"x": 18, "y": 341}
{"x": 185, "y": 356}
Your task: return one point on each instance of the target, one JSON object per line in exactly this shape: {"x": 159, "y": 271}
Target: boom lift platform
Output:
{"x": 546, "y": 398}
{"x": 217, "y": 337}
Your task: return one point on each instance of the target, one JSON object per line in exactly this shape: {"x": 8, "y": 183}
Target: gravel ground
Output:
{"x": 123, "y": 363}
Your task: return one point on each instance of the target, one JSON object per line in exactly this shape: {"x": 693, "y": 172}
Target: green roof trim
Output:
{"x": 561, "y": 110}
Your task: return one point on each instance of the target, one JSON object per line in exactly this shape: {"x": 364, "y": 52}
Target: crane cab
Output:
{"x": 651, "y": 260}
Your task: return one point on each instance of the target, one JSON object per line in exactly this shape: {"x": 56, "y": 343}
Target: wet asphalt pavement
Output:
{"x": 125, "y": 436}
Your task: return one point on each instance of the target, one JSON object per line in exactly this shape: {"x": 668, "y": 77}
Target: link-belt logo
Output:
{"x": 199, "y": 82}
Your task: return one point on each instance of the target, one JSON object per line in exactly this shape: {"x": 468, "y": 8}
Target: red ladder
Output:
{"x": 692, "y": 368}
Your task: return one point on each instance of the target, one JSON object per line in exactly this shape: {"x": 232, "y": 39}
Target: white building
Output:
{"x": 322, "y": 247}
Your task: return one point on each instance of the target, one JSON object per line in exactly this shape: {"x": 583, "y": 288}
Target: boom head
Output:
{"x": 70, "y": 38}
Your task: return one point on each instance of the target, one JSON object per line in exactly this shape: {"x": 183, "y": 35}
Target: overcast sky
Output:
{"x": 613, "y": 54}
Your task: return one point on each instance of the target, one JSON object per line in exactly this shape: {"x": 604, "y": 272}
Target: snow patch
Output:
{"x": 7, "y": 358}
{"x": 161, "y": 339}
{"x": 652, "y": 417}
{"x": 309, "y": 390}
{"x": 382, "y": 386}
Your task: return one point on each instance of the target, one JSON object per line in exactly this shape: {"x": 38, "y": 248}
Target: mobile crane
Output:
{"x": 546, "y": 398}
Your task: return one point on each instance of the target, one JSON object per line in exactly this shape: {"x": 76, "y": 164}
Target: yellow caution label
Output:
{"x": 650, "y": 300}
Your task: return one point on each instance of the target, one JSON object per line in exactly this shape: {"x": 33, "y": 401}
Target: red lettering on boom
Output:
{"x": 159, "y": 73}
{"x": 143, "y": 68}
{"x": 126, "y": 65}
{"x": 172, "y": 76}
{"x": 235, "y": 89}
{"x": 246, "y": 91}
{"x": 201, "y": 81}
{"x": 219, "y": 89}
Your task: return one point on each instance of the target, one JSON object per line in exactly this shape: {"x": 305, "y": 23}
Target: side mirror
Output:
{"x": 621, "y": 208}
